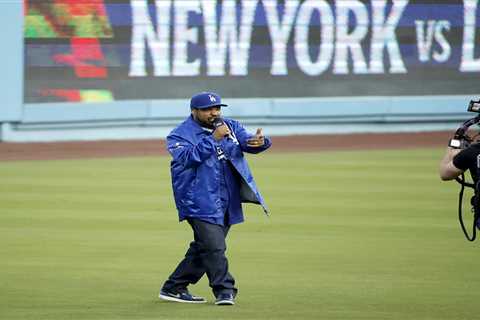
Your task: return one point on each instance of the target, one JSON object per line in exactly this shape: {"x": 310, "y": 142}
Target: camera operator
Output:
{"x": 463, "y": 157}
{"x": 457, "y": 160}
{"x": 463, "y": 153}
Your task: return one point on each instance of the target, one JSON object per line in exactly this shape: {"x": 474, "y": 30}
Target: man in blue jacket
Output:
{"x": 210, "y": 179}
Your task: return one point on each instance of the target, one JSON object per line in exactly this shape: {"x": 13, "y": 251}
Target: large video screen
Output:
{"x": 106, "y": 50}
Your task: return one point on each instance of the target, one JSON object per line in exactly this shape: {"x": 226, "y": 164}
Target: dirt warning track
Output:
{"x": 300, "y": 143}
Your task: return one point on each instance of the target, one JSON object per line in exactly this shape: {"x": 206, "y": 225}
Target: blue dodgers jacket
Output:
{"x": 196, "y": 171}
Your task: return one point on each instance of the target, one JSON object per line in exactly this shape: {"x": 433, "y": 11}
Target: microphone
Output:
{"x": 218, "y": 122}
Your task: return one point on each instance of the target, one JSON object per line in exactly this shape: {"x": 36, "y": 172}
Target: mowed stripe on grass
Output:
{"x": 352, "y": 235}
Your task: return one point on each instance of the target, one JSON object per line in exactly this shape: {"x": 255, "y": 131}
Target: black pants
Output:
{"x": 205, "y": 255}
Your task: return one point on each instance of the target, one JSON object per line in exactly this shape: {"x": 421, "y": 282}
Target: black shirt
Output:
{"x": 467, "y": 159}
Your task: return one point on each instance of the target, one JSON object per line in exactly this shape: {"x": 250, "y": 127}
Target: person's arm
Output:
{"x": 448, "y": 170}
{"x": 251, "y": 143}
{"x": 188, "y": 155}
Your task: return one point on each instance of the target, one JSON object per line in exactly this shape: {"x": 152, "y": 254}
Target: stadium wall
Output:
{"x": 136, "y": 118}
{"x": 154, "y": 119}
{"x": 11, "y": 61}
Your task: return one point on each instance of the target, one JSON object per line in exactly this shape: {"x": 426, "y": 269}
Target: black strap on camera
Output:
{"x": 474, "y": 201}
{"x": 475, "y": 207}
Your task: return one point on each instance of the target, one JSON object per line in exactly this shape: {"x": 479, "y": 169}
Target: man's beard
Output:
{"x": 205, "y": 124}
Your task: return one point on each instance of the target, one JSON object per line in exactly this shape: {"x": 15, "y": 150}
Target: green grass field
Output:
{"x": 352, "y": 235}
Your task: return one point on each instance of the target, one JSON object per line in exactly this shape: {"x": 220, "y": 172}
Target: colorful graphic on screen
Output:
{"x": 106, "y": 50}
{"x": 69, "y": 33}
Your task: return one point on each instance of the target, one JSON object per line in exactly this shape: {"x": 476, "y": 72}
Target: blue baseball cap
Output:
{"x": 204, "y": 100}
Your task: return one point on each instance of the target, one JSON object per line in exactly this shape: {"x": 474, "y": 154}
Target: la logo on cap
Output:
{"x": 212, "y": 98}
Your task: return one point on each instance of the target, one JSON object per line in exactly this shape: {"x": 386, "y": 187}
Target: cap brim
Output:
{"x": 212, "y": 105}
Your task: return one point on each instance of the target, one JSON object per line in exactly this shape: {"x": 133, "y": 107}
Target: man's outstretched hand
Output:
{"x": 257, "y": 140}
